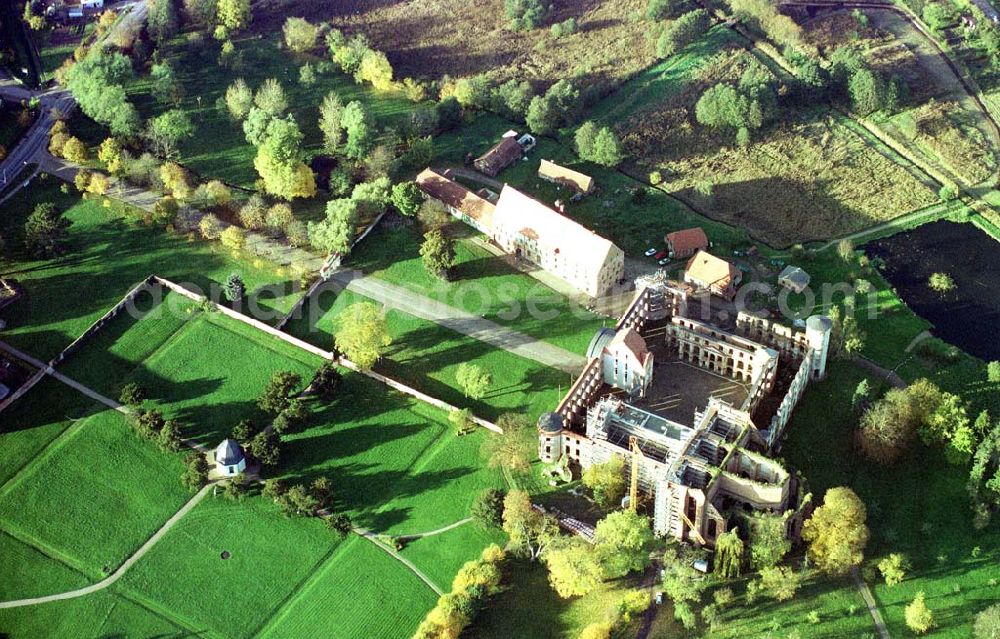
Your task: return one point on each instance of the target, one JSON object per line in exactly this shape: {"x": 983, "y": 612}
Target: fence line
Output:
{"x": 24, "y": 388}
{"x": 99, "y": 324}
{"x": 240, "y": 317}
{"x": 343, "y": 361}
{"x": 403, "y": 388}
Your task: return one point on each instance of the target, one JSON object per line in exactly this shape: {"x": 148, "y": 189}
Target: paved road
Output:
{"x": 460, "y": 321}
{"x": 116, "y": 575}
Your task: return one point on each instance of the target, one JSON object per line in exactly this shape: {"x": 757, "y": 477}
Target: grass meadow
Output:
{"x": 102, "y": 614}
{"x": 808, "y": 176}
{"x": 94, "y": 496}
{"x": 199, "y": 367}
{"x": 107, "y": 255}
{"x": 427, "y": 356}
{"x": 358, "y": 591}
{"x": 482, "y": 284}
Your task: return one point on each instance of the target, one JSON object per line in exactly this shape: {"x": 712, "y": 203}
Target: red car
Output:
{"x": 659, "y": 256}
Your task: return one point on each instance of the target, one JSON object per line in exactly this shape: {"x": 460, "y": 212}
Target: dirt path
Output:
{"x": 866, "y": 594}
{"x": 460, "y": 321}
{"x": 372, "y": 537}
{"x": 431, "y": 533}
{"x": 117, "y": 574}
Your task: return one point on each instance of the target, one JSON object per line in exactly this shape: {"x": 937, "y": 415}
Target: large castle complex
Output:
{"x": 695, "y": 408}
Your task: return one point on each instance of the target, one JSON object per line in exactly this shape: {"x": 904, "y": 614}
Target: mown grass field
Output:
{"x": 482, "y": 284}
{"x": 185, "y": 577}
{"x": 202, "y": 368}
{"x": 105, "y": 257}
{"x": 530, "y": 607}
{"x": 805, "y": 177}
{"x": 359, "y": 591}
{"x": 93, "y": 497}
{"x": 427, "y": 356}
{"x": 101, "y": 614}
{"x": 440, "y": 556}
{"x": 219, "y": 148}
{"x": 28, "y": 572}
{"x": 396, "y": 465}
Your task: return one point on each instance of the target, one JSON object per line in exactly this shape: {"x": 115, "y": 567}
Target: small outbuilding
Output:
{"x": 500, "y": 156}
{"x": 794, "y": 279}
{"x": 229, "y": 458}
{"x": 552, "y": 172}
{"x": 684, "y": 244}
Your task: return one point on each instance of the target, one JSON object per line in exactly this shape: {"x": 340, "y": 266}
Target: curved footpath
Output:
{"x": 116, "y": 575}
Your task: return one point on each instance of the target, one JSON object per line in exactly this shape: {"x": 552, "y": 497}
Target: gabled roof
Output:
{"x": 574, "y": 179}
{"x": 710, "y": 270}
{"x": 457, "y": 196}
{"x": 687, "y": 241}
{"x": 229, "y": 453}
{"x": 794, "y": 276}
{"x": 554, "y": 232}
{"x": 500, "y": 155}
{"x": 632, "y": 343}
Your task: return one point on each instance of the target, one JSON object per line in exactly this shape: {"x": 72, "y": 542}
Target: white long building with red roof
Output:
{"x": 530, "y": 230}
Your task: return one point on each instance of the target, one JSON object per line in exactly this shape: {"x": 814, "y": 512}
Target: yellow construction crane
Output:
{"x": 633, "y": 491}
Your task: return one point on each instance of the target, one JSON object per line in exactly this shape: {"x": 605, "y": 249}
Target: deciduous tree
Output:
{"x": 362, "y": 334}
{"x": 729, "y": 554}
{"x": 239, "y": 99}
{"x": 606, "y": 481}
{"x": 437, "y": 252}
{"x": 574, "y": 570}
{"x": 530, "y": 531}
{"x": 279, "y": 391}
{"x": 300, "y": 34}
{"x": 836, "y": 532}
{"x": 335, "y": 234}
{"x": 919, "y": 617}
{"x": 513, "y": 449}
{"x": 622, "y": 541}
{"x": 474, "y": 379}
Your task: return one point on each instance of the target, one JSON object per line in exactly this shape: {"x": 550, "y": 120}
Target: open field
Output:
{"x": 482, "y": 284}
{"x": 396, "y": 465}
{"x": 440, "y": 556}
{"x": 938, "y": 120}
{"x": 427, "y": 356}
{"x": 450, "y": 37}
{"x": 634, "y": 225}
{"x": 201, "y": 368}
{"x": 110, "y": 489}
{"x": 28, "y": 572}
{"x": 101, "y": 614}
{"x": 540, "y": 613}
{"x": 106, "y": 256}
{"x": 185, "y": 577}
{"x": 359, "y": 591}
{"x": 806, "y": 177}
{"x": 219, "y": 148}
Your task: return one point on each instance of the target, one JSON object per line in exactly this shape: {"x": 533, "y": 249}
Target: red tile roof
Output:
{"x": 687, "y": 242}
{"x": 455, "y": 195}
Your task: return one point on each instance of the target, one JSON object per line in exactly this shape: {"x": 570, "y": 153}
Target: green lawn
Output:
{"x": 482, "y": 284}
{"x": 28, "y": 572}
{"x": 202, "y": 368}
{"x": 95, "y": 496}
{"x": 219, "y": 148}
{"x": 106, "y": 256}
{"x": 530, "y": 609}
{"x": 359, "y": 592}
{"x": 427, "y": 356}
{"x": 101, "y": 614}
{"x": 185, "y": 577}
{"x": 37, "y": 419}
{"x": 396, "y": 465}
{"x": 440, "y": 556}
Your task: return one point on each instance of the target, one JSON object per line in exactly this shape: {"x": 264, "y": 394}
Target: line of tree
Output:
{"x": 475, "y": 582}
{"x": 681, "y": 32}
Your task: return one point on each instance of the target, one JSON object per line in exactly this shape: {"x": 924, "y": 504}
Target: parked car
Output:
{"x": 660, "y": 255}
{"x": 651, "y": 252}
{"x": 664, "y": 261}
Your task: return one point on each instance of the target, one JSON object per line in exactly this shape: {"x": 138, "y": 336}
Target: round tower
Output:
{"x": 818, "y": 331}
{"x": 550, "y": 427}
